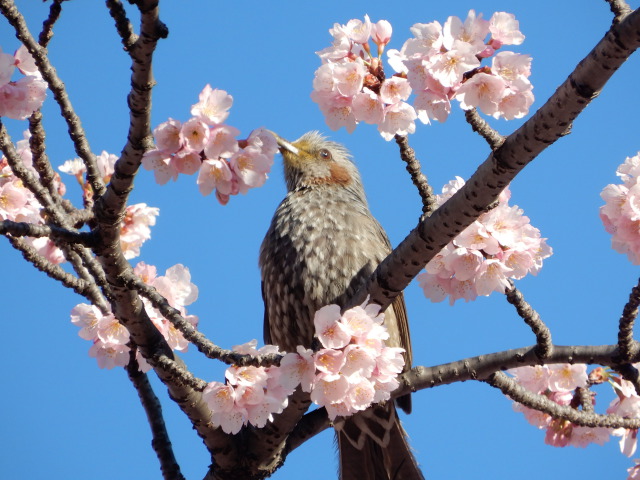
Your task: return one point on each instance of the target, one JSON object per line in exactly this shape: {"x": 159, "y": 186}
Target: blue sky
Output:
{"x": 64, "y": 418}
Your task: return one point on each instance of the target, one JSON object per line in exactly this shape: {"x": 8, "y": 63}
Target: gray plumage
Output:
{"x": 322, "y": 244}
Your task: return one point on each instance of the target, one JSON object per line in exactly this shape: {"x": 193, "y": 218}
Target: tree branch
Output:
{"x": 47, "y": 27}
{"x": 202, "y": 343}
{"x": 161, "y": 442}
{"x": 123, "y": 25}
{"x": 584, "y": 418}
{"x": 23, "y": 229}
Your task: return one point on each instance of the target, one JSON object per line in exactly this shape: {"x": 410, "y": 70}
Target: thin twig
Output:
{"x": 161, "y": 442}
{"x": 513, "y": 390}
{"x": 24, "y": 229}
{"x": 531, "y": 318}
{"x": 479, "y": 125}
{"x": 628, "y": 346}
{"x": 56, "y": 272}
{"x": 47, "y": 26}
{"x": 419, "y": 179}
{"x": 202, "y": 343}
{"x": 123, "y": 25}
{"x": 39, "y": 157}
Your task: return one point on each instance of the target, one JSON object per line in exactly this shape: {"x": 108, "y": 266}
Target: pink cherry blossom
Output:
{"x": 250, "y": 167}
{"x": 194, "y": 134}
{"x": 449, "y": 67}
{"x": 25, "y": 62}
{"x": 213, "y": 106}
{"x": 168, "y": 136}
{"x": 348, "y": 78}
{"x": 472, "y": 32}
{"x": 298, "y": 369}
{"x": 109, "y": 355}
{"x": 621, "y": 210}
{"x": 7, "y": 67}
{"x": 368, "y": 107}
{"x": 500, "y": 245}
{"x": 394, "y": 90}
{"x": 330, "y": 331}
{"x": 215, "y": 174}
{"x": 20, "y": 99}
{"x": 399, "y": 119}
{"x": 504, "y": 30}
{"x": 381, "y": 34}
{"x": 106, "y": 162}
{"x": 359, "y": 31}
{"x": 222, "y": 142}
{"x": 135, "y": 230}
{"x": 483, "y": 91}
{"x": 427, "y": 41}
{"x": 432, "y": 105}
{"x": 160, "y": 162}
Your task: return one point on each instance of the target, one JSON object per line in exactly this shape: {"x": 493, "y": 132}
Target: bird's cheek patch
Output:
{"x": 339, "y": 174}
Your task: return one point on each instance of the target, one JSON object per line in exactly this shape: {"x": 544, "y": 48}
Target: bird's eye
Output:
{"x": 324, "y": 154}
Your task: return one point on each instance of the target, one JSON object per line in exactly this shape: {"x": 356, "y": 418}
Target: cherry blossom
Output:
{"x": 20, "y": 98}
{"x": 203, "y": 144}
{"x": 213, "y": 106}
{"x": 110, "y": 338}
{"x": 620, "y": 214}
{"x": 500, "y": 245}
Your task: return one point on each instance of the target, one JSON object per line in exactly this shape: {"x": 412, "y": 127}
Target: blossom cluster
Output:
{"x": 559, "y": 383}
{"x": 621, "y": 211}
{"x": 500, "y": 245}
{"x": 19, "y": 99}
{"x": 205, "y": 144}
{"x": 353, "y": 370}
{"x": 134, "y": 229}
{"x": 110, "y": 339}
{"x": 440, "y": 63}
{"x": 19, "y": 204}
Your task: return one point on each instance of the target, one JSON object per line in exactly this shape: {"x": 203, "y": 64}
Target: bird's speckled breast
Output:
{"x": 320, "y": 247}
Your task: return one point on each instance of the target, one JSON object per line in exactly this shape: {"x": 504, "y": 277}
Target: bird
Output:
{"x": 321, "y": 246}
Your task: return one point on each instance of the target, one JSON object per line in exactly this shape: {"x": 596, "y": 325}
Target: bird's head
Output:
{"x": 313, "y": 160}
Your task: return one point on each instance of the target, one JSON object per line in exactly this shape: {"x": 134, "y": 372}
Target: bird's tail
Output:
{"x": 374, "y": 446}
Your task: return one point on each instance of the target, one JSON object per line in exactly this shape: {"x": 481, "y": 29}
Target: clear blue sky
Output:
{"x": 63, "y": 418}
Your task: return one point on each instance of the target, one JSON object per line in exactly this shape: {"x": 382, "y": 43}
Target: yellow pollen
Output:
{"x": 244, "y": 162}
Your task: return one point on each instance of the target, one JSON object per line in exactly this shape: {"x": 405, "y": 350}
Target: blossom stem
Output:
{"x": 407, "y": 154}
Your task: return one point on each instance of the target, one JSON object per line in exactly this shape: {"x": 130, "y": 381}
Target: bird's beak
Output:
{"x": 285, "y": 145}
